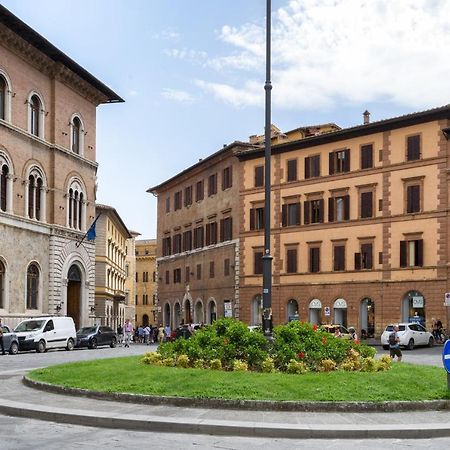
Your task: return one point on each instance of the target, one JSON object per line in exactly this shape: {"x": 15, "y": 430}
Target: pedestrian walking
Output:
{"x": 161, "y": 333}
{"x": 147, "y": 331}
{"x": 120, "y": 334}
{"x": 394, "y": 344}
{"x": 128, "y": 331}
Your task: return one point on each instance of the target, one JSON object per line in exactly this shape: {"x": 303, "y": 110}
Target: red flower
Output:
{"x": 315, "y": 327}
{"x": 301, "y": 355}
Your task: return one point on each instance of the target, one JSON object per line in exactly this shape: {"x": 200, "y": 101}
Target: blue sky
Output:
{"x": 192, "y": 74}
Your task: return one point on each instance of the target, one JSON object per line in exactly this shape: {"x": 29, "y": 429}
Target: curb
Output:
{"x": 253, "y": 405}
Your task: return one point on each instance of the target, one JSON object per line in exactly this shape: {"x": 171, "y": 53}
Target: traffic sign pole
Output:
{"x": 446, "y": 360}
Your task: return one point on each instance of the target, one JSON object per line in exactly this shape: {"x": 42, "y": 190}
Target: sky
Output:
{"x": 192, "y": 74}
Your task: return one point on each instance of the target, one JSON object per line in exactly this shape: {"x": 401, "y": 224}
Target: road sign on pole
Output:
{"x": 446, "y": 360}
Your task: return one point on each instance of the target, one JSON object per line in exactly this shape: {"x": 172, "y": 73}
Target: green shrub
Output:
{"x": 182, "y": 361}
{"x": 152, "y": 358}
{"x": 384, "y": 363}
{"x": 327, "y": 365}
{"x": 240, "y": 366}
{"x": 369, "y": 364}
{"x": 215, "y": 364}
{"x": 268, "y": 366}
{"x": 296, "y": 367}
{"x": 170, "y": 362}
{"x": 199, "y": 363}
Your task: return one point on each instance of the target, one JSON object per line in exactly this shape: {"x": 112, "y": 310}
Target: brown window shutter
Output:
{"x": 208, "y": 233}
{"x": 419, "y": 253}
{"x": 413, "y": 151}
{"x": 297, "y": 216}
{"x": 306, "y": 212}
{"x": 357, "y": 261}
{"x": 368, "y": 255}
{"x": 230, "y": 176}
{"x": 252, "y": 219}
{"x": 321, "y": 208}
{"x": 331, "y": 209}
{"x": 347, "y": 160}
{"x": 346, "y": 207}
{"x": 307, "y": 167}
{"x": 284, "y": 215}
{"x": 222, "y": 238}
{"x": 403, "y": 261}
{"x": 366, "y": 205}
{"x": 331, "y": 158}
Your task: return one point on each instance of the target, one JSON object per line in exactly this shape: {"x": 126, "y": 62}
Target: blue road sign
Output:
{"x": 446, "y": 356}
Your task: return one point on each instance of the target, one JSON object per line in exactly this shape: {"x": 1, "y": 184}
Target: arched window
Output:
{"x": 3, "y": 94}
{"x": 36, "y": 195}
{"x": 35, "y": 113}
{"x": 32, "y": 286}
{"x": 76, "y": 135}
{"x": 2, "y": 285}
{"x": 3, "y": 187}
{"x": 76, "y": 207}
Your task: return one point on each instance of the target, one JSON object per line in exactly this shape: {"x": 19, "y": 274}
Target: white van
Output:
{"x": 42, "y": 333}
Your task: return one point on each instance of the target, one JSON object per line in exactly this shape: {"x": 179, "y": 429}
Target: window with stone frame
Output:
{"x": 177, "y": 200}
{"x": 257, "y": 218}
{"x": 413, "y": 147}
{"x": 177, "y": 275}
{"x": 176, "y": 243}
{"x": 198, "y": 236}
{"x": 292, "y": 170}
{"x": 367, "y": 156}
{"x": 257, "y": 261}
{"x": 2, "y": 285}
{"x": 366, "y": 204}
{"x": 291, "y": 259}
{"x": 167, "y": 277}
{"x": 314, "y": 258}
{"x": 76, "y": 135}
{"x": 411, "y": 252}
{"x": 312, "y": 166}
{"x": 313, "y": 211}
{"x": 4, "y": 174}
{"x": 187, "y": 274}
{"x": 188, "y": 196}
{"x": 211, "y": 269}
{"x": 227, "y": 178}
{"x": 3, "y": 94}
{"x": 338, "y": 207}
{"x": 32, "y": 286}
{"x": 187, "y": 241}
{"x": 166, "y": 246}
{"x": 35, "y": 106}
{"x": 226, "y": 229}
{"x": 199, "y": 191}
{"x": 290, "y": 212}
{"x": 199, "y": 271}
{"x": 413, "y": 198}
{"x": 338, "y": 257}
{"x": 167, "y": 204}
{"x": 339, "y": 161}
{"x": 211, "y": 233}
{"x": 364, "y": 258}
{"x": 212, "y": 184}
{"x": 226, "y": 267}
{"x": 259, "y": 176}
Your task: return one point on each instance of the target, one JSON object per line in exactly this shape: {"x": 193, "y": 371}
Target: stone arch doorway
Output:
{"x": 315, "y": 311}
{"x": 212, "y": 311}
{"x": 166, "y": 315}
{"x": 340, "y": 312}
{"x": 144, "y": 320}
{"x": 176, "y": 315}
{"x": 413, "y": 307}
{"x": 292, "y": 310}
{"x": 187, "y": 311}
{"x": 198, "y": 312}
{"x": 74, "y": 294}
{"x": 367, "y": 317}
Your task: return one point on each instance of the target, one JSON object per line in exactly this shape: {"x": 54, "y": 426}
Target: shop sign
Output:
{"x": 228, "y": 309}
{"x": 447, "y": 299}
{"x": 417, "y": 301}
{"x": 327, "y": 311}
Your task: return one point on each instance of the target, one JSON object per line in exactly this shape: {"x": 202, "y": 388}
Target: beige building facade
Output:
{"x": 47, "y": 176}
{"x": 146, "y": 287}
{"x": 112, "y": 301}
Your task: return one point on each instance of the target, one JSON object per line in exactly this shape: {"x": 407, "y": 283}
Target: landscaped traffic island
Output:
{"x": 227, "y": 361}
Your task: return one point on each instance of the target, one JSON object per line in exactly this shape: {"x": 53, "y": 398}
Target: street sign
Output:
{"x": 327, "y": 311}
{"x": 446, "y": 356}
{"x": 447, "y": 299}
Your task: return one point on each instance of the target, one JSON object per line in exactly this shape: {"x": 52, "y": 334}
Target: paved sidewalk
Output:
{"x": 16, "y": 399}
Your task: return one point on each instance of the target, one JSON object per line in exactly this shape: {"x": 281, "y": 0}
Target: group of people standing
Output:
{"x": 142, "y": 334}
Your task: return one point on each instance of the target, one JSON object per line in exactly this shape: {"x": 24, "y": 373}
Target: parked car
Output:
{"x": 94, "y": 336}
{"x": 42, "y": 333}
{"x": 10, "y": 341}
{"x": 345, "y": 334}
{"x": 410, "y": 334}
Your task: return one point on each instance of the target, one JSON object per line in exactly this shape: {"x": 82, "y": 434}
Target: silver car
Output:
{"x": 10, "y": 341}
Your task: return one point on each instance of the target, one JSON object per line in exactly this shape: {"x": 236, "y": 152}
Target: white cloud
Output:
{"x": 186, "y": 54}
{"x": 329, "y": 51}
{"x": 176, "y": 95}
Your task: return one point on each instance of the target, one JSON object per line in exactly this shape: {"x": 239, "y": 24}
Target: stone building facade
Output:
{"x": 145, "y": 278}
{"x": 111, "y": 247}
{"x": 47, "y": 176}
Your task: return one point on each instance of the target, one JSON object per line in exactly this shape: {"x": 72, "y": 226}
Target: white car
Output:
{"x": 410, "y": 334}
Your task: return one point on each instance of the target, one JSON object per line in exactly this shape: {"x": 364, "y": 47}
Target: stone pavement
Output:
{"x": 16, "y": 399}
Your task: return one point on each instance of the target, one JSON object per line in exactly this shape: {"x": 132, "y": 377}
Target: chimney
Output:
{"x": 366, "y": 115}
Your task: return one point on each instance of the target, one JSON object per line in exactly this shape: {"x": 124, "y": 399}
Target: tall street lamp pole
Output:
{"x": 267, "y": 258}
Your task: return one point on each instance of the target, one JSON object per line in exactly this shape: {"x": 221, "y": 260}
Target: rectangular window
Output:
{"x": 167, "y": 246}
{"x": 226, "y": 267}
{"x": 291, "y": 260}
{"x": 168, "y": 205}
{"x": 411, "y": 253}
{"x": 257, "y": 262}
{"x": 364, "y": 259}
{"x": 167, "y": 277}
{"x": 154, "y": 277}
{"x": 367, "y": 156}
{"x": 198, "y": 237}
{"x": 177, "y": 275}
{"x": 227, "y": 178}
{"x": 413, "y": 198}
{"x": 187, "y": 241}
{"x": 211, "y": 269}
{"x": 338, "y": 258}
{"x": 313, "y": 211}
{"x": 187, "y": 274}
{"x": 226, "y": 229}
{"x": 292, "y": 170}
{"x": 188, "y": 196}
{"x": 339, "y": 208}
{"x": 177, "y": 243}
{"x": 137, "y": 277}
{"x": 257, "y": 218}
{"x": 413, "y": 148}
{"x": 199, "y": 191}
{"x": 314, "y": 259}
{"x": 366, "y": 204}
{"x": 339, "y": 161}
{"x": 177, "y": 200}
{"x": 199, "y": 271}
{"x": 136, "y": 299}
{"x": 312, "y": 166}
{"x": 290, "y": 214}
{"x": 259, "y": 176}
{"x": 212, "y": 184}
{"x": 211, "y": 233}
